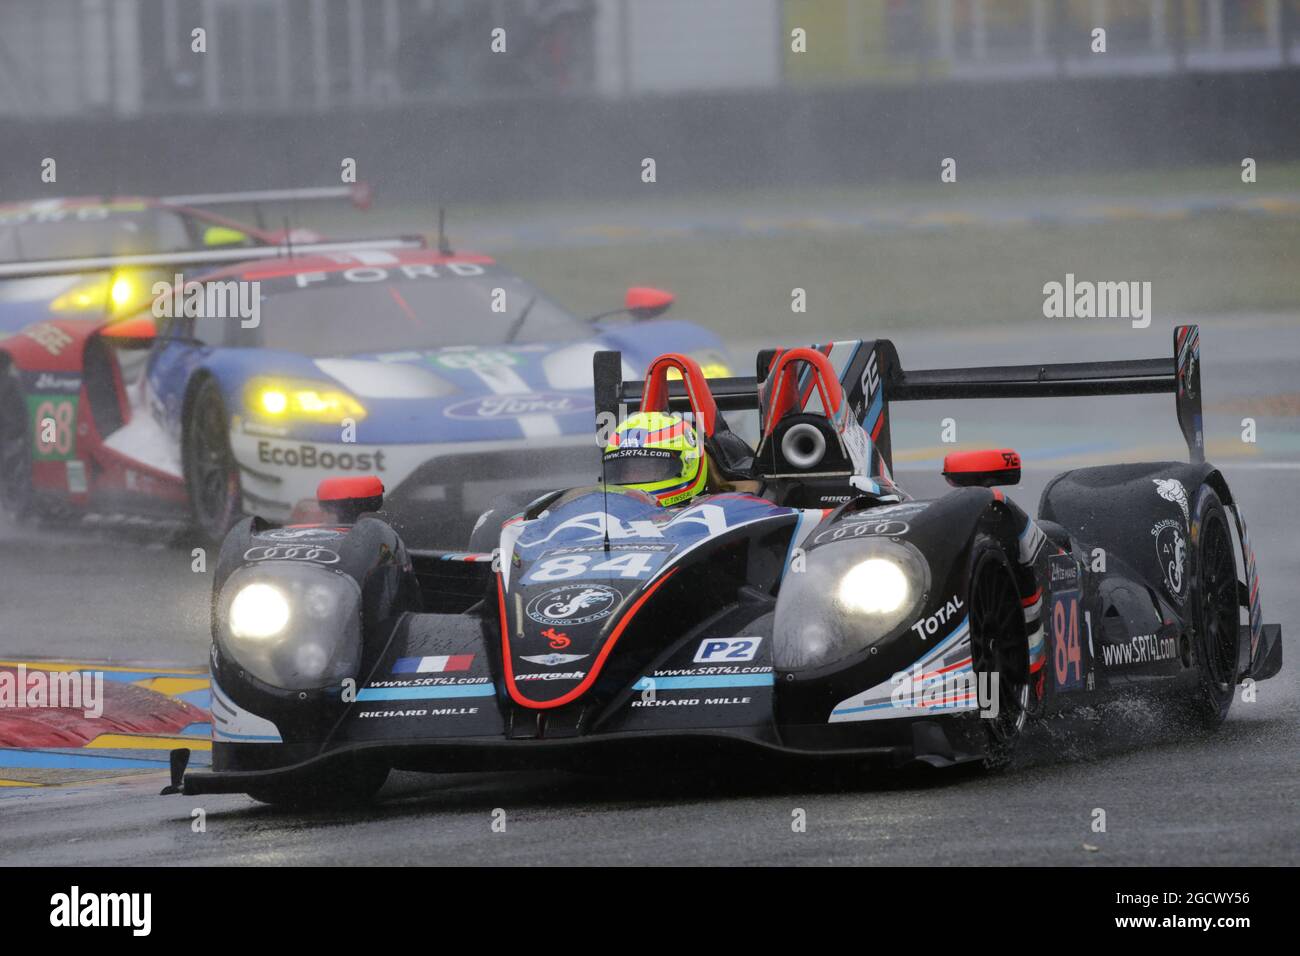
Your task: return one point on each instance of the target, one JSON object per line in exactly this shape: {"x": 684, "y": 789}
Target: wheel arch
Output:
{"x": 200, "y": 377}
{"x": 197, "y": 381}
{"x": 1004, "y": 520}
{"x": 1214, "y": 478}
{"x": 1120, "y": 509}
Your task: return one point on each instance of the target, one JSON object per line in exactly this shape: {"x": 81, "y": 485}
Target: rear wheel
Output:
{"x": 998, "y": 649}
{"x": 211, "y": 474}
{"x": 16, "y": 492}
{"x": 1216, "y": 615}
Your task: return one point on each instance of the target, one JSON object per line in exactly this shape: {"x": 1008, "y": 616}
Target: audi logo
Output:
{"x": 294, "y": 552}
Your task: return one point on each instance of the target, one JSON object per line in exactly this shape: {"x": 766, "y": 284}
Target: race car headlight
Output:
{"x": 291, "y": 624}
{"x": 258, "y": 612}
{"x": 122, "y": 292}
{"x": 302, "y": 400}
{"x": 80, "y": 298}
{"x": 874, "y": 586}
{"x": 121, "y": 295}
{"x": 850, "y": 595}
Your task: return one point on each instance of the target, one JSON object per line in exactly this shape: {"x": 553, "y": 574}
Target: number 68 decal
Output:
{"x": 53, "y": 422}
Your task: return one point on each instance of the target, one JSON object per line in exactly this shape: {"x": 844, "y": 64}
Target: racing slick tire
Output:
{"x": 17, "y": 496}
{"x": 999, "y": 648}
{"x": 1216, "y": 615}
{"x": 353, "y": 785}
{"x": 211, "y": 473}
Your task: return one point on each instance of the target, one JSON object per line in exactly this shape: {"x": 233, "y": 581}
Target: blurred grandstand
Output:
{"x": 133, "y": 57}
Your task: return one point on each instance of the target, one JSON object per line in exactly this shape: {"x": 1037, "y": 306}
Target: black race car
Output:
{"x": 807, "y": 606}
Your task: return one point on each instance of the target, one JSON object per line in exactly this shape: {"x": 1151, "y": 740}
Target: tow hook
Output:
{"x": 180, "y": 759}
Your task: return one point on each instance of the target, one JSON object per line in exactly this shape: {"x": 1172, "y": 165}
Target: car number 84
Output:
{"x": 628, "y": 564}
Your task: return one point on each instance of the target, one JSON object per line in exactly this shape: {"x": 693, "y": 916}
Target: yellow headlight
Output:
{"x": 274, "y": 401}
{"x": 80, "y": 298}
{"x": 122, "y": 292}
{"x": 119, "y": 296}
{"x": 305, "y": 401}
{"x": 312, "y": 402}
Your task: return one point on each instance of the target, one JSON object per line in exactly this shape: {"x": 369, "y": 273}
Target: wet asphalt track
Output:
{"x": 117, "y": 594}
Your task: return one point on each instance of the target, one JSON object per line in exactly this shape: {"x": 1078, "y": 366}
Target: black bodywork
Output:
{"x": 603, "y": 627}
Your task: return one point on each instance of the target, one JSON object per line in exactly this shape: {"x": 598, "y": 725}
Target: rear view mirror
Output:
{"x": 644, "y": 302}
{"x": 996, "y": 466}
{"x": 138, "y": 332}
{"x": 347, "y": 498}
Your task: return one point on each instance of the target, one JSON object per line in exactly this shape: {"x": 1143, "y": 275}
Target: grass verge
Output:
{"x": 965, "y": 275}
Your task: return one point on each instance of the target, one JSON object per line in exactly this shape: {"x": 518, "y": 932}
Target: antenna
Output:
{"x": 444, "y": 246}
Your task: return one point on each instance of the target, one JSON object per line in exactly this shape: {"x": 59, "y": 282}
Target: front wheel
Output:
{"x": 999, "y": 650}
{"x": 211, "y": 473}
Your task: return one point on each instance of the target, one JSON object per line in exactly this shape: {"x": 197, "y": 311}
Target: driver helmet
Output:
{"x": 659, "y": 454}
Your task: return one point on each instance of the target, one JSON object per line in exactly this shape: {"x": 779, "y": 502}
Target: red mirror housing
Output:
{"x": 986, "y": 468}
{"x": 346, "y": 499}
{"x": 645, "y": 302}
{"x": 141, "y": 329}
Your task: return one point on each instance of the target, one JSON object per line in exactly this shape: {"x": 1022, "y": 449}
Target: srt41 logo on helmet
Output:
{"x": 575, "y": 604}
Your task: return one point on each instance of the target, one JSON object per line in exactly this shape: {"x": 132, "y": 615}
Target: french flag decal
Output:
{"x": 433, "y": 665}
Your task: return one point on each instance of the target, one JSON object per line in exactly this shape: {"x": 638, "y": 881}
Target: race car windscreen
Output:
{"x": 65, "y": 233}
{"x": 336, "y": 316}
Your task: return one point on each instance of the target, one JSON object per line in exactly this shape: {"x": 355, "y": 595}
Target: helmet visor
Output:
{"x": 641, "y": 466}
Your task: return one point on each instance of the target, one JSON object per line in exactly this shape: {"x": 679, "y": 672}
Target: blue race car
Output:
{"x": 445, "y": 375}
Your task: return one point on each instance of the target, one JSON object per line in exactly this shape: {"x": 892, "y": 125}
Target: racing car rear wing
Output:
{"x": 201, "y": 257}
{"x": 872, "y": 377}
{"x": 360, "y": 195}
